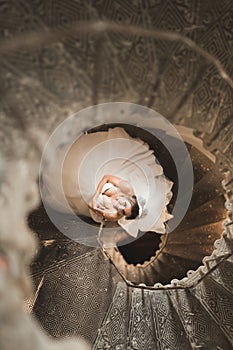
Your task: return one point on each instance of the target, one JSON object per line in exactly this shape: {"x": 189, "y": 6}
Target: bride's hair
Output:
{"x": 134, "y": 208}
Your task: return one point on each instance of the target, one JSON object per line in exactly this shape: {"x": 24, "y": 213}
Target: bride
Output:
{"x": 114, "y": 199}
{"x": 135, "y": 194}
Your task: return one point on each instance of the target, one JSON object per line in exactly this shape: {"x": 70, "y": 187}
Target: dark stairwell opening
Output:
{"x": 141, "y": 250}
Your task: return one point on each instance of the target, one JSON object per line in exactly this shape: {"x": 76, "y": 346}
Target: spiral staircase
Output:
{"x": 159, "y": 292}
{"x": 142, "y": 295}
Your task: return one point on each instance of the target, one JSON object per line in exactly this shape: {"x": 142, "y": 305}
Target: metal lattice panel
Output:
{"x": 218, "y": 302}
{"x": 141, "y": 331}
{"x": 113, "y": 331}
{"x": 169, "y": 329}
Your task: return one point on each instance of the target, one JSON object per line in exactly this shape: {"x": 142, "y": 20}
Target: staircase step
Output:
{"x": 223, "y": 274}
{"x": 159, "y": 274}
{"x": 113, "y": 332}
{"x": 51, "y": 255}
{"x": 202, "y": 165}
{"x": 205, "y": 190}
{"x": 141, "y": 331}
{"x": 170, "y": 333}
{"x": 196, "y": 250}
{"x": 118, "y": 260}
{"x": 140, "y": 276}
{"x": 218, "y": 302}
{"x": 154, "y": 273}
{"x": 149, "y": 275}
{"x": 74, "y": 291}
{"x": 210, "y": 212}
{"x": 202, "y": 330}
{"x": 209, "y": 185}
{"x": 206, "y": 234}
{"x": 133, "y": 274}
{"x": 167, "y": 267}
{"x": 54, "y": 245}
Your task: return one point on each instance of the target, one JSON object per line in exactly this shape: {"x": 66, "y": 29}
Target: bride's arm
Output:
{"x": 92, "y": 204}
{"x": 104, "y": 180}
{"x": 105, "y": 214}
{"x": 110, "y": 216}
{"x": 95, "y": 209}
{"x": 123, "y": 185}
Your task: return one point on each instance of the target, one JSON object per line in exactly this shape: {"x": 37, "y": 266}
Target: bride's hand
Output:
{"x": 92, "y": 205}
{"x": 99, "y": 212}
{"x": 96, "y": 208}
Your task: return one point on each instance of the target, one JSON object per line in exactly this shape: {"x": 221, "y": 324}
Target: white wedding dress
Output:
{"x": 112, "y": 152}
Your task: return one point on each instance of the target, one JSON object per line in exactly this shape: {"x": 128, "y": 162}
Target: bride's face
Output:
{"x": 123, "y": 206}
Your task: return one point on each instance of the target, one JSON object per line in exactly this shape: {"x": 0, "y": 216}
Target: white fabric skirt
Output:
{"x": 112, "y": 152}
